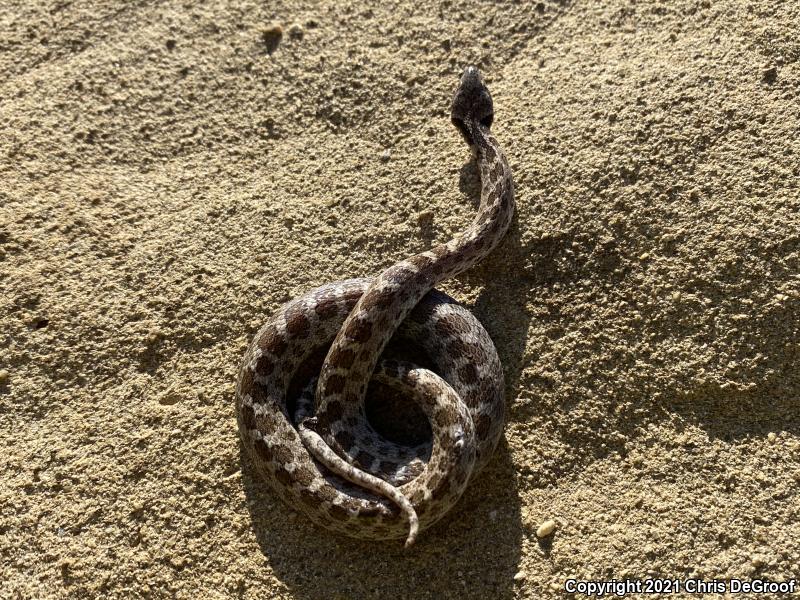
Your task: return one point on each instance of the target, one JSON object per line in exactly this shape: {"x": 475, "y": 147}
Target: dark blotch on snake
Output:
{"x": 264, "y": 451}
{"x": 282, "y": 475}
{"x": 351, "y": 297}
{"x": 326, "y": 308}
{"x": 338, "y": 513}
{"x": 421, "y": 261}
{"x": 274, "y": 343}
{"x": 370, "y": 511}
{"x": 359, "y": 330}
{"x": 496, "y": 171}
{"x": 382, "y": 298}
{"x": 282, "y": 454}
{"x": 304, "y": 476}
{"x": 248, "y": 417}
{"x": 335, "y": 409}
{"x": 457, "y": 347}
{"x": 334, "y": 385}
{"x": 468, "y": 373}
{"x": 297, "y": 324}
{"x": 445, "y": 326}
{"x": 265, "y": 365}
{"x": 482, "y": 426}
{"x": 307, "y": 497}
{"x": 342, "y": 358}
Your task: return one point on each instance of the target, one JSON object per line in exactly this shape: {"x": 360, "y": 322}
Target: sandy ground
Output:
{"x": 171, "y": 172}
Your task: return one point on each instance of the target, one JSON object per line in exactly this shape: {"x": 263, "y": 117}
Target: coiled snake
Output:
{"x": 315, "y": 446}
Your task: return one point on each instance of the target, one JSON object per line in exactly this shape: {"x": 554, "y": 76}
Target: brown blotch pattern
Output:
{"x": 282, "y": 454}
{"x": 482, "y": 426}
{"x": 297, "y": 324}
{"x": 265, "y": 365}
{"x": 468, "y": 374}
{"x": 307, "y": 497}
{"x": 326, "y": 308}
{"x": 304, "y": 476}
{"x": 338, "y": 513}
{"x": 370, "y": 511}
{"x": 263, "y": 450}
{"x": 334, "y": 384}
{"x": 283, "y": 475}
{"x": 342, "y": 358}
{"x": 335, "y": 410}
{"x": 248, "y": 417}
{"x": 421, "y": 261}
{"x": 273, "y": 343}
{"x": 359, "y": 330}
{"x": 351, "y": 297}
{"x": 382, "y": 298}
{"x": 445, "y": 326}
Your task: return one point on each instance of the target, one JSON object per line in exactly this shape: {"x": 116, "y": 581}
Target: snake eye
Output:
{"x": 487, "y": 120}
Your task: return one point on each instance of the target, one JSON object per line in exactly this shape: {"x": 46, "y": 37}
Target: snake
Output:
{"x": 304, "y": 379}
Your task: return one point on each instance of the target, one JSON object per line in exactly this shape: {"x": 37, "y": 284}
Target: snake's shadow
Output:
{"x": 474, "y": 548}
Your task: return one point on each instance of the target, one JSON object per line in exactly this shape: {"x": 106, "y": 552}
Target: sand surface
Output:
{"x": 171, "y": 172}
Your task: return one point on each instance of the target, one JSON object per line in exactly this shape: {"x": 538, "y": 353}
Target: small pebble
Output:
{"x": 296, "y": 31}
{"x": 272, "y": 37}
{"x": 4, "y": 376}
{"x": 545, "y": 529}
{"x": 425, "y": 218}
{"x": 386, "y": 155}
{"x": 772, "y": 436}
{"x": 520, "y": 576}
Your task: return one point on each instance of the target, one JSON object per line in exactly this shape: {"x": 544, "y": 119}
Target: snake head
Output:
{"x": 472, "y": 105}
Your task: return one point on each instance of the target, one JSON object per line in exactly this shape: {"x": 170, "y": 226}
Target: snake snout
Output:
{"x": 472, "y": 104}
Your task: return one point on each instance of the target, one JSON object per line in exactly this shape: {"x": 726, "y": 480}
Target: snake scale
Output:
{"x": 307, "y": 433}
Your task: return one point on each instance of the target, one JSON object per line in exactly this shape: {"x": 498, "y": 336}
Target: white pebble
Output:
{"x": 545, "y": 529}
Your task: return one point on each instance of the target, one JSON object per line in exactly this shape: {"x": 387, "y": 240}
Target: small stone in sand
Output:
{"x": 771, "y": 436}
{"x": 520, "y": 576}
{"x": 272, "y": 37}
{"x": 4, "y": 376}
{"x": 425, "y": 218}
{"x": 296, "y": 31}
{"x": 546, "y": 529}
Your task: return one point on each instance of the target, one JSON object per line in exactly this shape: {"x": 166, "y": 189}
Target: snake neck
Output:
{"x": 395, "y": 292}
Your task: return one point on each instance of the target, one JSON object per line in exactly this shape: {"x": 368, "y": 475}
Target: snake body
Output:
{"x": 307, "y": 433}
